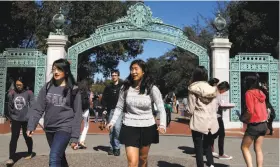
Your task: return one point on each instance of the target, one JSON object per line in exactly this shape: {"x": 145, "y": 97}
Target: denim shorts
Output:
{"x": 256, "y": 129}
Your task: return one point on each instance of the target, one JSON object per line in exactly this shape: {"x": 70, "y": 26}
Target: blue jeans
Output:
{"x": 58, "y": 142}
{"x": 115, "y": 131}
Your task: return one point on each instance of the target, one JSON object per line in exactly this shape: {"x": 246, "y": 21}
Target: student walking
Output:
{"x": 86, "y": 97}
{"x": 109, "y": 102}
{"x": 222, "y": 88}
{"x": 61, "y": 102}
{"x": 202, "y": 105}
{"x": 20, "y": 100}
{"x": 271, "y": 112}
{"x": 139, "y": 129}
{"x": 256, "y": 115}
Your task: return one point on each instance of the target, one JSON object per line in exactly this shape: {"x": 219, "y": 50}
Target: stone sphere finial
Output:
{"x": 219, "y": 22}
{"x": 58, "y": 19}
{"x": 220, "y": 25}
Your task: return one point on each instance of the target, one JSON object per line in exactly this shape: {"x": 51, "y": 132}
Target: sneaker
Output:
{"x": 10, "y": 162}
{"x": 215, "y": 154}
{"x": 117, "y": 152}
{"x": 110, "y": 152}
{"x": 225, "y": 157}
{"x": 29, "y": 156}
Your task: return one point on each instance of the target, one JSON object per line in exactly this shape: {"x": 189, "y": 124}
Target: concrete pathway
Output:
{"x": 173, "y": 151}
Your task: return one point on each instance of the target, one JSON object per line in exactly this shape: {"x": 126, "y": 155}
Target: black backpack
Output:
{"x": 85, "y": 100}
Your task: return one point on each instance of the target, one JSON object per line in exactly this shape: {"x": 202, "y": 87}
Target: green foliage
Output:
{"x": 254, "y": 26}
{"x": 28, "y": 25}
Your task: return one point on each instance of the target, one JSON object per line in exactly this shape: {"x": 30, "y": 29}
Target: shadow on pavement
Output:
{"x": 187, "y": 150}
{"x": 167, "y": 164}
{"x": 102, "y": 148}
{"x": 20, "y": 155}
{"x": 183, "y": 120}
{"x": 220, "y": 165}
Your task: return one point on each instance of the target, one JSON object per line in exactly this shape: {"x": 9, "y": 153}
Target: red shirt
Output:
{"x": 256, "y": 107}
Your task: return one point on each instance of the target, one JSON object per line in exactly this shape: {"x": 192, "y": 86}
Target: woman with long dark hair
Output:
{"x": 202, "y": 105}
{"x": 61, "y": 103}
{"x": 139, "y": 129}
{"x": 20, "y": 100}
{"x": 257, "y": 120}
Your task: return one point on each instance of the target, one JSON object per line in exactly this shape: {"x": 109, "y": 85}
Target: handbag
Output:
{"x": 245, "y": 117}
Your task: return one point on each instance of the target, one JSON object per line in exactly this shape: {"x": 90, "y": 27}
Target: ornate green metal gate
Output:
{"x": 253, "y": 62}
{"x": 138, "y": 24}
{"x": 21, "y": 58}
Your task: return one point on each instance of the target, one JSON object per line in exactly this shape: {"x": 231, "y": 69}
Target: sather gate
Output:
{"x": 253, "y": 62}
{"x": 138, "y": 24}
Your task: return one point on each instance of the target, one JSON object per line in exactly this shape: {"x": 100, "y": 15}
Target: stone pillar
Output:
{"x": 56, "y": 50}
{"x": 220, "y": 69}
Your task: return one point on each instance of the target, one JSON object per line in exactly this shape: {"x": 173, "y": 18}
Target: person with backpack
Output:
{"x": 139, "y": 129}
{"x": 86, "y": 97}
{"x": 271, "y": 111}
{"x": 202, "y": 104}
{"x": 256, "y": 119}
{"x": 95, "y": 101}
{"x": 61, "y": 102}
{"x": 109, "y": 102}
{"x": 221, "y": 88}
{"x": 20, "y": 100}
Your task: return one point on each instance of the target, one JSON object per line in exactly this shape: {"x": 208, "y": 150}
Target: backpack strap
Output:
{"x": 48, "y": 87}
{"x": 12, "y": 92}
{"x": 74, "y": 92}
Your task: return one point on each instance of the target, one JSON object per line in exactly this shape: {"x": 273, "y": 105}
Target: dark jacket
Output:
{"x": 60, "y": 114}
{"x": 19, "y": 104}
{"x": 110, "y": 96}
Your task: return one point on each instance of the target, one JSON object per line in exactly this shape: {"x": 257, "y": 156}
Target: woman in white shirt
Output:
{"x": 139, "y": 129}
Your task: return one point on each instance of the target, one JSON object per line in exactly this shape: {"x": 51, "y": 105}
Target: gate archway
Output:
{"x": 253, "y": 62}
{"x": 137, "y": 24}
{"x": 21, "y": 58}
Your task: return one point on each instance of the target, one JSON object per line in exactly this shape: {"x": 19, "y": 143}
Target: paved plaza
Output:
{"x": 173, "y": 151}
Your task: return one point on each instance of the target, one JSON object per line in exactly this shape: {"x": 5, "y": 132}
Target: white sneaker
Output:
{"x": 215, "y": 154}
{"x": 225, "y": 157}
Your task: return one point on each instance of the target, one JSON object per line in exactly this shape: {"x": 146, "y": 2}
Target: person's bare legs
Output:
{"x": 245, "y": 146}
{"x": 144, "y": 151}
{"x": 132, "y": 154}
{"x": 258, "y": 150}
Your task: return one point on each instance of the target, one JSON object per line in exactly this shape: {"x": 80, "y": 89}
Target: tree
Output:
{"x": 28, "y": 24}
{"x": 254, "y": 26}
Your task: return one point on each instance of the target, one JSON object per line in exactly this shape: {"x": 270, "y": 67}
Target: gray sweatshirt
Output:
{"x": 19, "y": 103}
{"x": 139, "y": 108}
{"x": 59, "y": 114}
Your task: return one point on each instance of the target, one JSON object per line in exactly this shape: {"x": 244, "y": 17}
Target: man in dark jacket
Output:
{"x": 109, "y": 102}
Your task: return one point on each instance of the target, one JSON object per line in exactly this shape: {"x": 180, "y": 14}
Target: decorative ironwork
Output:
{"x": 21, "y": 58}
{"x": 253, "y": 62}
{"x": 138, "y": 24}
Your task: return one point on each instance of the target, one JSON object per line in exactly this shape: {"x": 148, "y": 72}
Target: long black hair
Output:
{"x": 146, "y": 83}
{"x": 22, "y": 81}
{"x": 64, "y": 66}
{"x": 213, "y": 81}
{"x": 199, "y": 74}
{"x": 252, "y": 82}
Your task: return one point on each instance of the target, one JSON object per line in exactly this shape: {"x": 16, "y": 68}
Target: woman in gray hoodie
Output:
{"x": 61, "y": 102}
{"x": 20, "y": 100}
{"x": 202, "y": 105}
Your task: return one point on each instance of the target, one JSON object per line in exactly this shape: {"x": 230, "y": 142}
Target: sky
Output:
{"x": 176, "y": 13}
